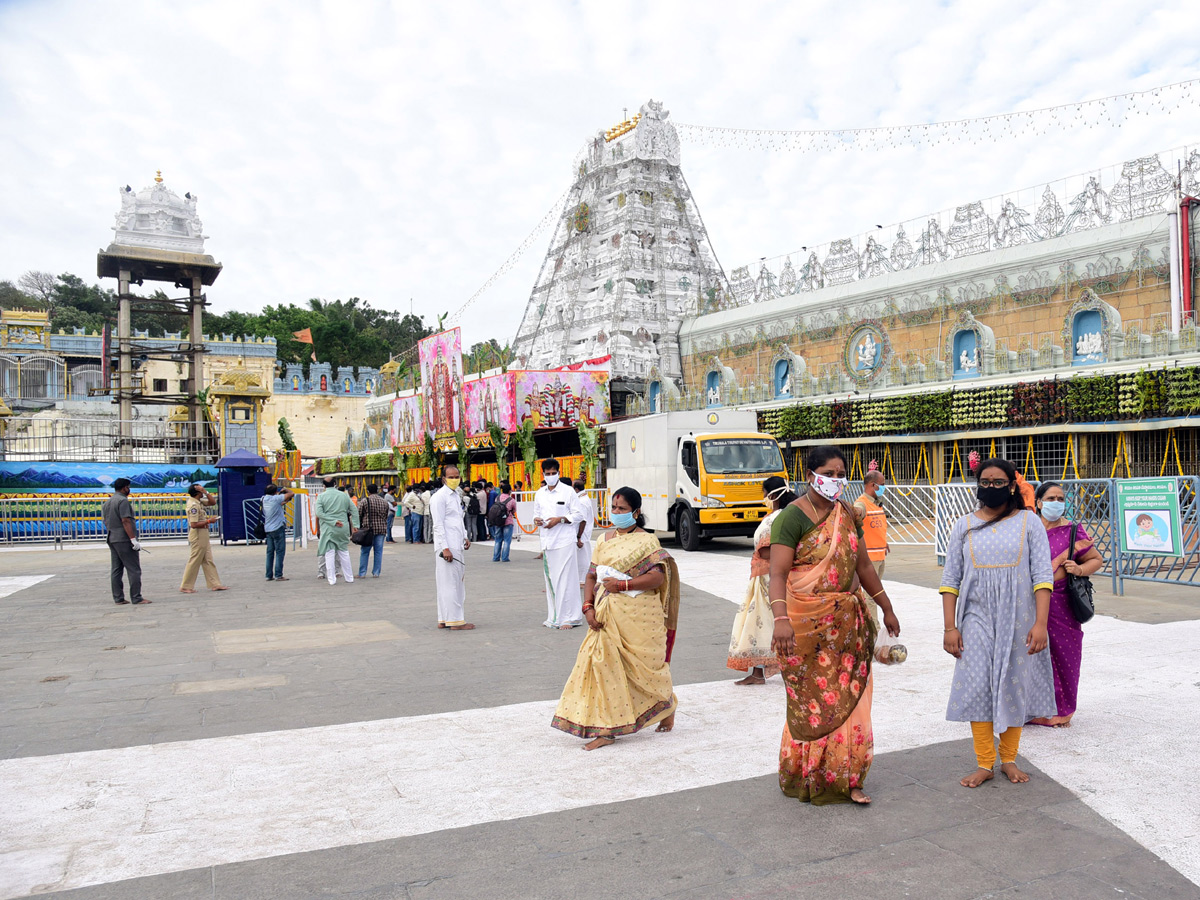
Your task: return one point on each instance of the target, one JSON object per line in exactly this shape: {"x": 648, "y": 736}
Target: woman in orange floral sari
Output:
{"x": 824, "y": 638}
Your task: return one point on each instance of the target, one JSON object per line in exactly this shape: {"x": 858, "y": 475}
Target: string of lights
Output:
{"x": 551, "y": 215}
{"x": 1102, "y": 112}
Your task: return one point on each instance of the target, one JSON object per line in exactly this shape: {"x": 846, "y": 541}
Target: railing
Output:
{"x": 78, "y": 519}
{"x": 252, "y": 515}
{"x": 910, "y": 510}
{"x": 100, "y": 440}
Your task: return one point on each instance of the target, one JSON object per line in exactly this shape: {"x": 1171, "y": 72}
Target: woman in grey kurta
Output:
{"x": 996, "y": 598}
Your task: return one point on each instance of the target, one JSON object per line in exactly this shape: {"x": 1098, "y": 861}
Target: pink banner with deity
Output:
{"x": 408, "y": 425}
{"x": 490, "y": 400}
{"x": 441, "y": 382}
{"x": 558, "y": 399}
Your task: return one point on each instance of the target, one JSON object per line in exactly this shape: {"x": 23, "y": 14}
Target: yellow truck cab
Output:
{"x": 700, "y": 472}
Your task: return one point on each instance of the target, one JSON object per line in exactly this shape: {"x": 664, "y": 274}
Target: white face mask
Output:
{"x": 828, "y": 487}
{"x": 551, "y": 480}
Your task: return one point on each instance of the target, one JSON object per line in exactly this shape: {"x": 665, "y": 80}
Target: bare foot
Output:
{"x": 1041, "y": 720}
{"x": 978, "y": 777}
{"x": 752, "y": 678}
{"x": 441, "y": 624}
{"x": 187, "y": 590}
{"x": 565, "y": 627}
{"x": 1063, "y": 721}
{"x": 666, "y": 724}
{"x": 1015, "y": 775}
{"x": 221, "y": 587}
{"x": 467, "y": 626}
{"x": 598, "y": 743}
{"x": 859, "y": 797}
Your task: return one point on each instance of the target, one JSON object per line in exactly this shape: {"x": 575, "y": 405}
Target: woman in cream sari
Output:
{"x": 622, "y": 678}
{"x": 824, "y": 637}
{"x": 750, "y": 643}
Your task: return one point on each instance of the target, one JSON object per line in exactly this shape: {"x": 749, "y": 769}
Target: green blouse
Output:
{"x": 792, "y": 526}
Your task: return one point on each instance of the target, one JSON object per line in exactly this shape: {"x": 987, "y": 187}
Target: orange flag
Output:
{"x": 305, "y": 337}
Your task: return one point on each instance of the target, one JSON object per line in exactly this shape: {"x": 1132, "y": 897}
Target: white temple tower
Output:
{"x": 629, "y": 259}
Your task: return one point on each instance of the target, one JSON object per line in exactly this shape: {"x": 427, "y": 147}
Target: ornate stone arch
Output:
{"x": 1079, "y": 324}
{"x": 974, "y": 339}
{"x": 797, "y": 370}
{"x": 719, "y": 382}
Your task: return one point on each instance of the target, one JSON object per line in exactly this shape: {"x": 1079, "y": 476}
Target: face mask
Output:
{"x": 993, "y": 497}
{"x": 551, "y": 480}
{"x": 828, "y": 487}
{"x": 879, "y": 490}
{"x": 1053, "y": 510}
{"x": 452, "y": 483}
{"x": 622, "y": 520}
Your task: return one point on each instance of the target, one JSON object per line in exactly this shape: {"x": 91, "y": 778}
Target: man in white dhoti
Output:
{"x": 450, "y": 544}
{"x": 583, "y": 536}
{"x": 556, "y": 513}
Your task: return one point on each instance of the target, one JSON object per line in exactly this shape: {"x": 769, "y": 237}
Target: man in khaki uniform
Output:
{"x": 199, "y": 548}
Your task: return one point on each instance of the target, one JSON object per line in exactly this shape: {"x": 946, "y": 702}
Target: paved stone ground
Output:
{"x": 204, "y": 738}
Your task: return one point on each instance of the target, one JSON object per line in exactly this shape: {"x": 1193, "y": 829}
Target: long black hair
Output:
{"x": 1015, "y": 502}
{"x": 818, "y": 456}
{"x": 774, "y": 483}
{"x": 634, "y": 499}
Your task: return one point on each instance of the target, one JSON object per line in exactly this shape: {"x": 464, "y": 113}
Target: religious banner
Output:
{"x": 560, "y": 399}
{"x": 408, "y": 427}
{"x": 490, "y": 400}
{"x": 441, "y": 382}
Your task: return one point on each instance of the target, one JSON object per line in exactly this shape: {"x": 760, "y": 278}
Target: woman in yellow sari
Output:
{"x": 622, "y": 677}
{"x": 824, "y": 637}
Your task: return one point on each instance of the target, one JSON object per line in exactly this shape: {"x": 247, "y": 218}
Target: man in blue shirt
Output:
{"x": 275, "y": 525}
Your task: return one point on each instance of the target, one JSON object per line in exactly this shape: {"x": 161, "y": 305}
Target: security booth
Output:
{"x": 243, "y": 476}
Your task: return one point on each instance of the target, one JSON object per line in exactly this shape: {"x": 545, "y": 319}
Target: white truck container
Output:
{"x": 700, "y": 472}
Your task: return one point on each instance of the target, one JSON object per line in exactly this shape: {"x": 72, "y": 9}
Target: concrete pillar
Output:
{"x": 196, "y": 414}
{"x": 124, "y": 367}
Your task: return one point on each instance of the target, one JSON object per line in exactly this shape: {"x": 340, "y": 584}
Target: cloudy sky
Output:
{"x": 400, "y": 152}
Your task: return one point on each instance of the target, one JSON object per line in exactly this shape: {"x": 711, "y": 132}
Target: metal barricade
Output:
{"x": 910, "y": 510}
{"x": 252, "y": 515}
{"x": 78, "y": 519}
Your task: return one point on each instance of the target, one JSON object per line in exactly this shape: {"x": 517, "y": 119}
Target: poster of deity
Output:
{"x": 407, "y": 422}
{"x": 490, "y": 400}
{"x": 559, "y": 399}
{"x": 441, "y": 381}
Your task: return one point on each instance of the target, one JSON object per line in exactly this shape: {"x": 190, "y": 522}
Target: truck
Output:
{"x": 700, "y": 472}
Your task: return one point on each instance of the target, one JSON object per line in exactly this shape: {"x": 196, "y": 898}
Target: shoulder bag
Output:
{"x": 1079, "y": 588}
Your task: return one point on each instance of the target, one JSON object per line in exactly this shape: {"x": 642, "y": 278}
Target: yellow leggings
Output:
{"x": 985, "y": 744}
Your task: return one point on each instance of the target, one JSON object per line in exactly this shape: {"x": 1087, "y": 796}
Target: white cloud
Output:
{"x": 397, "y": 151}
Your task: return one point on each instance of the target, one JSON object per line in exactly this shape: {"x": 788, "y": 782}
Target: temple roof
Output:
{"x": 158, "y": 218}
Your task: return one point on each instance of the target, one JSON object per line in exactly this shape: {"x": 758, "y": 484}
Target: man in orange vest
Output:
{"x": 870, "y": 515}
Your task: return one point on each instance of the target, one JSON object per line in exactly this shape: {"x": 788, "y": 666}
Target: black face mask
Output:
{"x": 993, "y": 497}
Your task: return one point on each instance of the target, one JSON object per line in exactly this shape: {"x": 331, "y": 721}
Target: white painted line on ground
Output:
{"x": 10, "y": 584}
{"x": 250, "y": 683}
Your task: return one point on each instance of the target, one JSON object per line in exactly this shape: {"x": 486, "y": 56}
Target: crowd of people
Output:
{"x": 815, "y": 611}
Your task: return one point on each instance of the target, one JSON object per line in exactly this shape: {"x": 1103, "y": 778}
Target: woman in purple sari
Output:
{"x": 1066, "y": 634}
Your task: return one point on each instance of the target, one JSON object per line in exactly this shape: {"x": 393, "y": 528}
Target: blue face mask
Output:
{"x": 1053, "y": 510}
{"x": 880, "y": 489}
{"x": 622, "y": 520}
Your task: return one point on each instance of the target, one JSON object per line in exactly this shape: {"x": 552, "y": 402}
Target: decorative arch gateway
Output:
{"x": 660, "y": 389}
{"x": 970, "y": 348}
{"x": 788, "y": 372}
{"x": 719, "y": 379}
{"x": 1092, "y": 329}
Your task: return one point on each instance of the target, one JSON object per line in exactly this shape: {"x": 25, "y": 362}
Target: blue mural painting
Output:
{"x": 1087, "y": 338}
{"x": 966, "y": 354}
{"x": 23, "y": 477}
{"x": 782, "y": 379}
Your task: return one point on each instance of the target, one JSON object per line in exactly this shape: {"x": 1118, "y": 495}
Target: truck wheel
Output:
{"x": 687, "y": 530}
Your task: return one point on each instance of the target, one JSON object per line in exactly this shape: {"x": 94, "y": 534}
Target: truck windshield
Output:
{"x": 750, "y": 456}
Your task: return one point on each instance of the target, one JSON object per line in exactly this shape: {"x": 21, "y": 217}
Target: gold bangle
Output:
{"x": 877, "y": 593}
{"x": 950, "y": 629}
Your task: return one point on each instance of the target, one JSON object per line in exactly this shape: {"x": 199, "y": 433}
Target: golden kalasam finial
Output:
{"x": 158, "y": 177}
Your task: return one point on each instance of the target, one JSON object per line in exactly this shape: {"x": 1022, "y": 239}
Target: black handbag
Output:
{"x": 260, "y": 531}
{"x": 1079, "y": 588}
{"x": 362, "y": 537}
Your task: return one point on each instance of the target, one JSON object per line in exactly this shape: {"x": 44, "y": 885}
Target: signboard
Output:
{"x": 441, "y": 381}
{"x": 490, "y": 400}
{"x": 91, "y": 477}
{"x": 560, "y": 399}
{"x": 407, "y": 419}
{"x": 1148, "y": 520}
